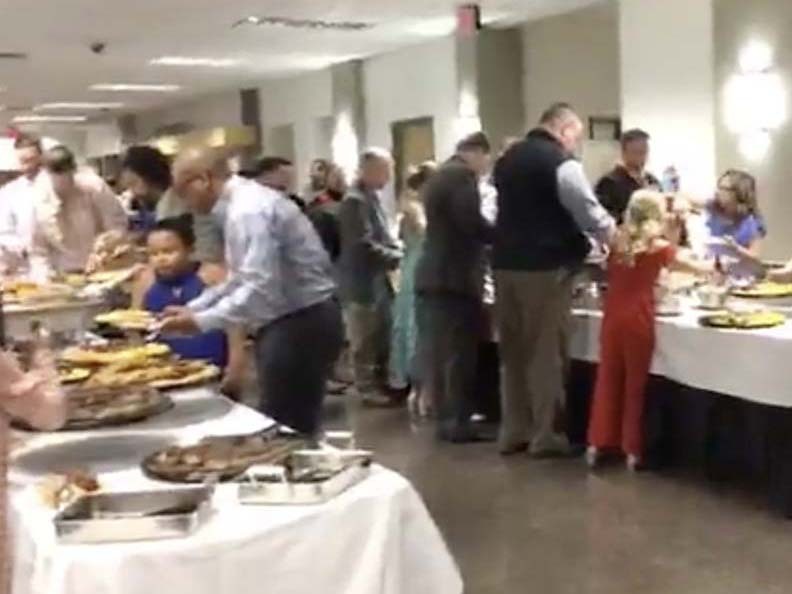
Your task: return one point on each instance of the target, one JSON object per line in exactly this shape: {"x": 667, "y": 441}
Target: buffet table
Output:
{"x": 377, "y": 537}
{"x": 751, "y": 365}
{"x": 719, "y": 400}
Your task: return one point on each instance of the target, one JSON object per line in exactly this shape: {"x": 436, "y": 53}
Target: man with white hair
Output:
{"x": 368, "y": 254}
{"x": 546, "y": 207}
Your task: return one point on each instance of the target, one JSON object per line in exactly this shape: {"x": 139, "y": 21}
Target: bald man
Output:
{"x": 546, "y": 210}
{"x": 279, "y": 285}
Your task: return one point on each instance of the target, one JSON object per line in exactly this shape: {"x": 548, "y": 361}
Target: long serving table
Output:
{"x": 721, "y": 399}
{"x": 376, "y": 538}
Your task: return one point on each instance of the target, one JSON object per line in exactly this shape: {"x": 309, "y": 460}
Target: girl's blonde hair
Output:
{"x": 644, "y": 222}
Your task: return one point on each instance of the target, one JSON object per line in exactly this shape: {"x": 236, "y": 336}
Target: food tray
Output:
{"x": 59, "y": 317}
{"x": 94, "y": 453}
{"x": 163, "y": 374}
{"x": 314, "y": 477}
{"x": 221, "y": 458}
{"x": 712, "y": 321}
{"x": 92, "y": 408}
{"x": 131, "y": 517}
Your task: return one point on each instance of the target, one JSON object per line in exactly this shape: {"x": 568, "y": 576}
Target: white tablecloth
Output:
{"x": 752, "y": 365}
{"x": 377, "y": 538}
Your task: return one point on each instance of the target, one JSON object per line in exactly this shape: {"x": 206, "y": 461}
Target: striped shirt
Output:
{"x": 277, "y": 264}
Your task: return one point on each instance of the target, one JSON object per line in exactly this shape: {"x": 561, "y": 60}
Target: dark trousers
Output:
{"x": 294, "y": 358}
{"x": 449, "y": 330}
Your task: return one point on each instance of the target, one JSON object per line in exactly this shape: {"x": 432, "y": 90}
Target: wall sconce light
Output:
{"x": 755, "y": 101}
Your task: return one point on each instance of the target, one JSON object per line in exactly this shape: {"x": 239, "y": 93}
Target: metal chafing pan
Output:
{"x": 311, "y": 477}
{"x": 130, "y": 517}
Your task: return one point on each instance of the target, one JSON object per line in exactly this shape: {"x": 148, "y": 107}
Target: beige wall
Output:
{"x": 573, "y": 57}
{"x": 500, "y": 83}
{"x": 206, "y": 111}
{"x": 415, "y": 82}
{"x": 668, "y": 84}
{"x": 300, "y": 104}
{"x": 738, "y": 22}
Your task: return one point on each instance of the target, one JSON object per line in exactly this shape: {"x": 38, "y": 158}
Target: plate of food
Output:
{"x": 73, "y": 375}
{"x": 91, "y": 408}
{"x": 58, "y": 490}
{"x": 111, "y": 277}
{"x": 127, "y": 319}
{"x": 764, "y": 290}
{"x": 222, "y": 458}
{"x": 113, "y": 353}
{"x": 24, "y": 292}
{"x": 750, "y": 320}
{"x": 162, "y": 374}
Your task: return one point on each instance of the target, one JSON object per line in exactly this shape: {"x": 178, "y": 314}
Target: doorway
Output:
{"x": 413, "y": 143}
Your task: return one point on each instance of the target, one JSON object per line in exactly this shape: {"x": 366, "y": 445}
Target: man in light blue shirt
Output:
{"x": 280, "y": 286}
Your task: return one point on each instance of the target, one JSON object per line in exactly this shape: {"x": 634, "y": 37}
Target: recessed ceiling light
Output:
{"x": 34, "y": 119}
{"x": 191, "y": 61}
{"x": 315, "y": 24}
{"x": 77, "y": 105}
{"x": 135, "y": 88}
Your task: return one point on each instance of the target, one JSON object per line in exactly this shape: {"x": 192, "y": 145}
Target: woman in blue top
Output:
{"x": 734, "y": 217}
{"x": 176, "y": 281}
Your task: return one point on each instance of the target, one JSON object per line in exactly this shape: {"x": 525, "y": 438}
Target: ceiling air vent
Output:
{"x": 306, "y": 24}
{"x": 13, "y": 56}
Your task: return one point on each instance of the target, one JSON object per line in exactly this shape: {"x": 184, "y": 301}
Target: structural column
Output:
{"x": 667, "y": 82}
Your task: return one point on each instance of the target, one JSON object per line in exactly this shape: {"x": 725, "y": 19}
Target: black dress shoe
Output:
{"x": 466, "y": 435}
{"x": 514, "y": 449}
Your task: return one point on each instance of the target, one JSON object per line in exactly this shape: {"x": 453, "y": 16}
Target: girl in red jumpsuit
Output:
{"x": 628, "y": 328}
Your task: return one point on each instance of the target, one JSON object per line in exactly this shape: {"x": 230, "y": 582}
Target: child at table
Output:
{"x": 175, "y": 280}
{"x": 628, "y": 330}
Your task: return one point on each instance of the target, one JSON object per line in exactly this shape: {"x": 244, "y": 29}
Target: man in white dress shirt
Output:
{"x": 17, "y": 205}
{"x": 280, "y": 286}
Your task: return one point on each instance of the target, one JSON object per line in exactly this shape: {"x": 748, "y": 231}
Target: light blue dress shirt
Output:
{"x": 277, "y": 264}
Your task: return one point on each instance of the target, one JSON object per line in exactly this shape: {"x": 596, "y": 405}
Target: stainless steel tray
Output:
{"x": 315, "y": 476}
{"x": 130, "y": 517}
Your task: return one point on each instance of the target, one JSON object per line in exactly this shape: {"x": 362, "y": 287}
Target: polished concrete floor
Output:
{"x": 550, "y": 527}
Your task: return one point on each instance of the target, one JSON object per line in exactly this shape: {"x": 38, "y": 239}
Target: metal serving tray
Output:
{"x": 131, "y": 517}
{"x": 315, "y": 476}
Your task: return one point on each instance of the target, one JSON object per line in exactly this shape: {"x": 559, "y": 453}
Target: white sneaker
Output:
{"x": 592, "y": 457}
{"x": 634, "y": 463}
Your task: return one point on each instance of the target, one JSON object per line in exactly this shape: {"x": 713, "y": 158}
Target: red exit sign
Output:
{"x": 468, "y": 20}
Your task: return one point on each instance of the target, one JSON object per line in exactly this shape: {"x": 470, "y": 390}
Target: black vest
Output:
{"x": 534, "y": 231}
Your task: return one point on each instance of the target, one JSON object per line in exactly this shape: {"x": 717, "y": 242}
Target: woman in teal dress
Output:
{"x": 404, "y": 334}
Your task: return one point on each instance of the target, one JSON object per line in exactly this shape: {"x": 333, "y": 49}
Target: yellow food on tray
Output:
{"x": 162, "y": 374}
{"x": 109, "y": 276}
{"x": 745, "y": 320}
{"x": 114, "y": 353}
{"x": 767, "y": 290}
{"x": 74, "y": 375}
{"x": 23, "y": 291}
{"x": 127, "y": 319}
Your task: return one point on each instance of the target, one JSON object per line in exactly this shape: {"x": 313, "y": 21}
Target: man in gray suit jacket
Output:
{"x": 449, "y": 282}
{"x": 368, "y": 253}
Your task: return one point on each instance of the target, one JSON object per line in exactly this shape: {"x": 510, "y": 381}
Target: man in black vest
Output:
{"x": 545, "y": 209}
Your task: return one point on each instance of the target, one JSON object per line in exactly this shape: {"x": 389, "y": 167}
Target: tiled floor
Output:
{"x": 552, "y": 528}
